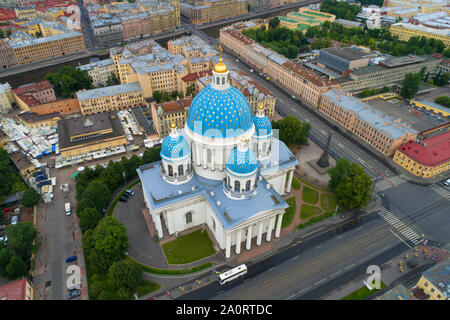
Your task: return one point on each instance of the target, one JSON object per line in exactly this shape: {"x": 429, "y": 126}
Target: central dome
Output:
{"x": 219, "y": 113}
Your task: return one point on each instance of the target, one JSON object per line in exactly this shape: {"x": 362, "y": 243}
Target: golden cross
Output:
{"x": 220, "y": 49}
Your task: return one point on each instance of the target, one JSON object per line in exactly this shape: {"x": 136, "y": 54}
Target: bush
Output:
{"x": 443, "y": 101}
{"x": 30, "y": 197}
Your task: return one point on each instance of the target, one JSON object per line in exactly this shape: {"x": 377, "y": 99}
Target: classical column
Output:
{"x": 238, "y": 241}
{"x": 227, "y": 246}
{"x": 158, "y": 225}
{"x": 205, "y": 158}
{"x": 249, "y": 237}
{"x": 199, "y": 154}
{"x": 291, "y": 175}
{"x": 269, "y": 230}
{"x": 283, "y": 185}
{"x": 280, "y": 219}
{"x": 260, "y": 232}
{"x": 212, "y": 160}
{"x": 221, "y": 164}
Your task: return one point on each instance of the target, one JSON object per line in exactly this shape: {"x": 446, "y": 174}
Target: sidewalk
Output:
{"x": 390, "y": 271}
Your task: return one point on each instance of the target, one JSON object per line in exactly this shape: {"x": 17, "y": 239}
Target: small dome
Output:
{"x": 241, "y": 162}
{"x": 263, "y": 127}
{"x": 220, "y": 67}
{"x": 175, "y": 148}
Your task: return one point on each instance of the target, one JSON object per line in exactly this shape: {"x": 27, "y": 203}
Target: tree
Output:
{"x": 125, "y": 274}
{"x": 446, "y": 53}
{"x": 68, "y": 80}
{"x": 108, "y": 243}
{"x": 354, "y": 191}
{"x": 443, "y": 100}
{"x": 292, "y": 131}
{"x": 89, "y": 219}
{"x": 441, "y": 78}
{"x": 151, "y": 155}
{"x": 16, "y": 268}
{"x": 338, "y": 173}
{"x": 410, "y": 85}
{"x": 112, "y": 80}
{"x": 189, "y": 90}
{"x": 95, "y": 196}
{"x": 274, "y": 22}
{"x": 5, "y": 257}
{"x": 7, "y": 173}
{"x": 30, "y": 197}
{"x": 22, "y": 239}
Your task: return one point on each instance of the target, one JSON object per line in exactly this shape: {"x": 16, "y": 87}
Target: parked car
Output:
{"x": 73, "y": 294}
{"x": 251, "y": 70}
{"x": 447, "y": 182}
{"x": 130, "y": 192}
{"x": 127, "y": 195}
{"x": 70, "y": 259}
{"x": 14, "y": 219}
{"x": 412, "y": 263}
{"x": 75, "y": 287}
{"x": 5, "y": 210}
{"x": 123, "y": 199}
{"x": 4, "y": 239}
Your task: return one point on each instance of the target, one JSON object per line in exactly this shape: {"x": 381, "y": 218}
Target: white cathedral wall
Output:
{"x": 277, "y": 181}
{"x": 176, "y": 217}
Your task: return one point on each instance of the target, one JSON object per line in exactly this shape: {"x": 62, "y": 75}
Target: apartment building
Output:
{"x": 164, "y": 114}
{"x": 28, "y": 51}
{"x": 99, "y": 71}
{"x": 404, "y": 31}
{"x": 118, "y": 97}
{"x": 17, "y": 290}
{"x": 204, "y": 11}
{"x": 379, "y": 130}
{"x": 28, "y": 13}
{"x": 428, "y": 155}
{"x": 33, "y": 120}
{"x": 6, "y": 98}
{"x": 435, "y": 281}
{"x": 7, "y": 58}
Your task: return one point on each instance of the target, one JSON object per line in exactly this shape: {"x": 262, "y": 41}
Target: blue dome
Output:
{"x": 175, "y": 148}
{"x": 214, "y": 112}
{"x": 263, "y": 127}
{"x": 241, "y": 162}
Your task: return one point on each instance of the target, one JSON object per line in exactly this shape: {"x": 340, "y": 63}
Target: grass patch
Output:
{"x": 146, "y": 287}
{"x": 189, "y": 248}
{"x": 116, "y": 199}
{"x": 328, "y": 201}
{"x": 171, "y": 271}
{"x": 362, "y": 293}
{"x": 289, "y": 214}
{"x": 296, "y": 184}
{"x": 314, "y": 220}
{"x": 308, "y": 211}
{"x": 309, "y": 195}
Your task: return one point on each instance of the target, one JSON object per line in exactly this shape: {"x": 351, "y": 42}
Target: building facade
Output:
{"x": 404, "y": 31}
{"x": 6, "y": 98}
{"x": 99, "y": 71}
{"x": 164, "y": 114}
{"x": 207, "y": 11}
{"x": 7, "y": 58}
{"x": 380, "y": 131}
{"x": 435, "y": 281}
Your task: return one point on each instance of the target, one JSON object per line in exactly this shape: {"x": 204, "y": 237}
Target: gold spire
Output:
{"x": 261, "y": 106}
{"x": 220, "y": 67}
{"x": 173, "y": 125}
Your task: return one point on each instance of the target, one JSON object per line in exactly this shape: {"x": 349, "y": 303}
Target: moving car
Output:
{"x": 447, "y": 182}
{"x": 70, "y": 259}
{"x": 67, "y": 208}
{"x": 130, "y": 192}
{"x": 73, "y": 294}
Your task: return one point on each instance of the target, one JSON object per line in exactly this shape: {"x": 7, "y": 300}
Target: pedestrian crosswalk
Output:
{"x": 441, "y": 190}
{"x": 406, "y": 231}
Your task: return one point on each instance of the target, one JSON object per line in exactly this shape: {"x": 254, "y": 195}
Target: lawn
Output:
{"x": 189, "y": 248}
{"x": 309, "y": 195}
{"x": 362, "y": 293}
{"x": 328, "y": 201}
{"x": 308, "y": 211}
{"x": 289, "y": 213}
{"x": 296, "y": 184}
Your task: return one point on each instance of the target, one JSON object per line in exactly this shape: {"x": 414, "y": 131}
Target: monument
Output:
{"x": 323, "y": 161}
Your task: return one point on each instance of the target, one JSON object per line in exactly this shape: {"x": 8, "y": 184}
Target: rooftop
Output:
{"x": 348, "y": 53}
{"x": 108, "y": 91}
{"x": 15, "y": 290}
{"x": 309, "y": 75}
{"x": 439, "y": 276}
{"x": 31, "y": 117}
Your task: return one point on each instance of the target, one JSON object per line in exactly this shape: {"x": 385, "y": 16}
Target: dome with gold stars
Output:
{"x": 219, "y": 113}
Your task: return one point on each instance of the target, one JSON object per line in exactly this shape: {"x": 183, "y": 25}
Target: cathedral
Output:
{"x": 224, "y": 170}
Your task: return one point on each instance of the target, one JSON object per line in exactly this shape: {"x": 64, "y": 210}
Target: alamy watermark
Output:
{"x": 374, "y": 280}
{"x": 74, "y": 279}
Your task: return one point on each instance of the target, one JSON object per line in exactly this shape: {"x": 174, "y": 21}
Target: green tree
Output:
{"x": 5, "y": 257}
{"x": 338, "y": 173}
{"x": 16, "y": 268}
{"x": 441, "y": 78}
{"x": 89, "y": 219}
{"x": 410, "y": 85}
{"x": 354, "y": 191}
{"x": 446, "y": 53}
{"x": 95, "y": 196}
{"x": 68, "y": 80}
{"x": 30, "y": 197}
{"x": 443, "y": 100}
{"x": 125, "y": 274}
{"x": 112, "y": 80}
{"x": 151, "y": 155}
{"x": 292, "y": 131}
{"x": 109, "y": 242}
{"x": 274, "y": 22}
{"x": 7, "y": 174}
{"x": 2, "y": 35}
{"x": 22, "y": 239}
{"x": 189, "y": 90}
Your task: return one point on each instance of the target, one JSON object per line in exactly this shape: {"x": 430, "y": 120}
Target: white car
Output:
{"x": 251, "y": 70}
{"x": 447, "y": 182}
{"x": 14, "y": 220}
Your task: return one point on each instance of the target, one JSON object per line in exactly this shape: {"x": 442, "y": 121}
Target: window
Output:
{"x": 188, "y": 217}
{"x": 237, "y": 185}
{"x": 169, "y": 167}
{"x": 180, "y": 170}
{"x": 247, "y": 185}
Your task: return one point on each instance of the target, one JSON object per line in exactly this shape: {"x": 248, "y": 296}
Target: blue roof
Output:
{"x": 219, "y": 113}
{"x": 242, "y": 162}
{"x": 263, "y": 127}
{"x": 230, "y": 212}
{"x": 175, "y": 148}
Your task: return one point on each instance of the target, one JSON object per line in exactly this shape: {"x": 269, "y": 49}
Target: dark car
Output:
{"x": 70, "y": 259}
{"x": 127, "y": 195}
{"x": 73, "y": 294}
{"x": 412, "y": 263}
{"x": 123, "y": 199}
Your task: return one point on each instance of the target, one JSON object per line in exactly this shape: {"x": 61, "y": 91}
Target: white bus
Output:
{"x": 232, "y": 274}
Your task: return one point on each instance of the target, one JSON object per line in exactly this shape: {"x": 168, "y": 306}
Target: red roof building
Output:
{"x": 16, "y": 290}
{"x": 34, "y": 94}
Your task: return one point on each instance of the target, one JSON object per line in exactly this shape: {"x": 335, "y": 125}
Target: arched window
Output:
{"x": 264, "y": 147}
{"x": 208, "y": 155}
{"x": 247, "y": 185}
{"x": 223, "y": 80}
{"x": 188, "y": 217}
{"x": 217, "y": 80}
{"x": 169, "y": 167}
{"x": 228, "y": 182}
{"x": 237, "y": 185}
{"x": 180, "y": 170}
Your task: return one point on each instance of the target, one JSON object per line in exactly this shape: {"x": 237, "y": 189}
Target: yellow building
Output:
{"x": 207, "y": 11}
{"x": 404, "y": 31}
{"x": 118, "y": 97}
{"x": 435, "y": 281}
{"x": 6, "y": 98}
{"x": 431, "y": 106}
{"x": 82, "y": 135}
{"x": 22, "y": 163}
{"x": 34, "y": 120}
{"x": 166, "y": 113}
{"x": 429, "y": 155}
{"x": 25, "y": 13}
